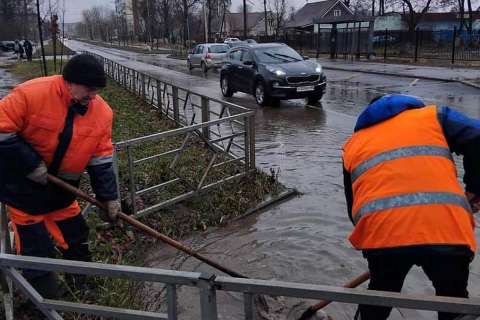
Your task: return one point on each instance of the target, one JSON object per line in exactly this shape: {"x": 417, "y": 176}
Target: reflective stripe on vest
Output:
{"x": 6, "y": 136}
{"x": 404, "y": 152}
{"x": 412, "y": 199}
{"x": 69, "y": 176}
{"x": 95, "y": 161}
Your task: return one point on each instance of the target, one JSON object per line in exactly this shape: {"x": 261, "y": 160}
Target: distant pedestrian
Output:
{"x": 16, "y": 48}
{"x": 404, "y": 198}
{"x": 27, "y": 45}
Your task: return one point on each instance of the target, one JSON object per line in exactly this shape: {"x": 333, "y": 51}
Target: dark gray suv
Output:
{"x": 271, "y": 72}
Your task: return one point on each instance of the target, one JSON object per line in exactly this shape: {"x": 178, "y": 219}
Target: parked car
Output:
{"x": 230, "y": 40}
{"x": 250, "y": 41}
{"x": 271, "y": 72}
{"x": 207, "y": 56}
{"x": 7, "y": 45}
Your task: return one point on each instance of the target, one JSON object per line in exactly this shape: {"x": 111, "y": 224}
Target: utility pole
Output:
{"x": 205, "y": 21}
{"x": 41, "y": 39}
{"x": 244, "y": 19}
{"x": 265, "y": 9}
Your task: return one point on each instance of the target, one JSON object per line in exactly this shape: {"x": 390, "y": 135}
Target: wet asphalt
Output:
{"x": 303, "y": 239}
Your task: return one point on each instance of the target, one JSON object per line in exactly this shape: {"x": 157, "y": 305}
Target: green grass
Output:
{"x": 124, "y": 245}
{"x": 48, "y": 48}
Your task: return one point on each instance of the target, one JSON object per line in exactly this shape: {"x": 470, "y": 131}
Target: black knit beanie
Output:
{"x": 85, "y": 69}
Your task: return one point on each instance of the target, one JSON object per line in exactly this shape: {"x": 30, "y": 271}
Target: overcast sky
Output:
{"x": 74, "y": 8}
{"x": 73, "y": 12}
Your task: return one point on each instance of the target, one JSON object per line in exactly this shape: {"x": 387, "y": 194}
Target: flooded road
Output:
{"x": 303, "y": 239}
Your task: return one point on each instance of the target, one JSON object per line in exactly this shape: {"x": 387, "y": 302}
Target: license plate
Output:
{"x": 306, "y": 88}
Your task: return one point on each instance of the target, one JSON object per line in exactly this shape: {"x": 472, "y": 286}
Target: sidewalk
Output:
{"x": 470, "y": 77}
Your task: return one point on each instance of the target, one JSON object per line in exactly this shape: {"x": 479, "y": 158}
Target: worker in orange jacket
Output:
{"x": 404, "y": 198}
{"x": 57, "y": 125}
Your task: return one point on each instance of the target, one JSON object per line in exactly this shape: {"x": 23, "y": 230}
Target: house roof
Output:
{"x": 310, "y": 11}
{"x": 236, "y": 20}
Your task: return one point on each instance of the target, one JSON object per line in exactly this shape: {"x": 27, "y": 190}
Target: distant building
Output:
{"x": 435, "y": 21}
{"x": 125, "y": 11}
{"x": 392, "y": 21}
{"x": 430, "y": 21}
{"x": 314, "y": 12}
{"x": 255, "y": 24}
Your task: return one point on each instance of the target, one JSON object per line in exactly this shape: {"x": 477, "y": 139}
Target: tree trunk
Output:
{"x": 185, "y": 22}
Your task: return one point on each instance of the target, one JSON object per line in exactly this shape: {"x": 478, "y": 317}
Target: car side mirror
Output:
{"x": 306, "y": 57}
{"x": 248, "y": 63}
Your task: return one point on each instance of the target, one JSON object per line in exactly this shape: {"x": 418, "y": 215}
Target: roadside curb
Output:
{"x": 170, "y": 56}
{"x": 281, "y": 197}
{"x": 471, "y": 84}
{"x": 467, "y": 83}
{"x": 388, "y": 74}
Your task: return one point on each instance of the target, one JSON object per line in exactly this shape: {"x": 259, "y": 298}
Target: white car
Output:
{"x": 230, "y": 40}
{"x": 207, "y": 56}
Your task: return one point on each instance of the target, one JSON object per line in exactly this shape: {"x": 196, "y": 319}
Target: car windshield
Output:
{"x": 218, "y": 48}
{"x": 279, "y": 54}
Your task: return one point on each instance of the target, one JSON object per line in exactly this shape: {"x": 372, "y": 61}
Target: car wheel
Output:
{"x": 189, "y": 65}
{"x": 225, "y": 86}
{"x": 313, "y": 99}
{"x": 261, "y": 97}
{"x": 204, "y": 67}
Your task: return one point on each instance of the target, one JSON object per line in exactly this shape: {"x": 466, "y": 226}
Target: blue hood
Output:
{"x": 385, "y": 108}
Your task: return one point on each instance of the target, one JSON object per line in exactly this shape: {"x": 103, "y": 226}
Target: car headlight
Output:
{"x": 278, "y": 72}
{"x": 318, "y": 69}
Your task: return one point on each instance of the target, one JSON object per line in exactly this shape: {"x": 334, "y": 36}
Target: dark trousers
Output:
{"x": 448, "y": 273}
{"x": 35, "y": 240}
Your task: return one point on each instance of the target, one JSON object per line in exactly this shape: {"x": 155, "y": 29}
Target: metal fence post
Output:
{"x": 249, "y": 306}
{"x": 143, "y": 93}
{"x": 159, "y": 96}
{"x": 5, "y": 283}
{"x": 453, "y": 43}
{"x": 134, "y": 79}
{"x": 132, "y": 180}
{"x": 176, "y": 111}
{"x": 206, "y": 116}
{"x": 417, "y": 40}
{"x": 385, "y": 45}
{"x": 249, "y": 142}
{"x": 116, "y": 172}
{"x": 208, "y": 298}
{"x": 172, "y": 301}
{"x": 358, "y": 40}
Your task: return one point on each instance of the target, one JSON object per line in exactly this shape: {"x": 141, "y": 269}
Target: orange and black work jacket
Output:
{"x": 400, "y": 178}
{"x": 31, "y": 119}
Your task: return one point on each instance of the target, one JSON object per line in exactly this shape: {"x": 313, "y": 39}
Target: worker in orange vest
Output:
{"x": 404, "y": 198}
{"x": 57, "y": 125}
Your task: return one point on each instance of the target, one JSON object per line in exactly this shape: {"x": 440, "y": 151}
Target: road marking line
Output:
{"x": 414, "y": 82}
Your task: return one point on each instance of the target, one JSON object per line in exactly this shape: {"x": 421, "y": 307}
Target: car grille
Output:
{"x": 303, "y": 79}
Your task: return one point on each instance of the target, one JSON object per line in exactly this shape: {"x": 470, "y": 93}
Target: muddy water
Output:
{"x": 303, "y": 239}
{"x": 7, "y": 81}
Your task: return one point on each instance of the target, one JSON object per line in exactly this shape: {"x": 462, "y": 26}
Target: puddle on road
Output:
{"x": 305, "y": 238}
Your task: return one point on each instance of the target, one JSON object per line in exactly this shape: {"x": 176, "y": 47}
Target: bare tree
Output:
{"x": 278, "y": 9}
{"x": 416, "y": 11}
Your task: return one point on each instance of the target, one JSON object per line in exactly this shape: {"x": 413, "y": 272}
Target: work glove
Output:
{"x": 474, "y": 201}
{"x": 113, "y": 209}
{"x": 39, "y": 174}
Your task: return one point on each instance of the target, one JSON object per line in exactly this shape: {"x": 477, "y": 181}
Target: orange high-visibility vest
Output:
{"x": 405, "y": 187}
{"x": 36, "y": 111}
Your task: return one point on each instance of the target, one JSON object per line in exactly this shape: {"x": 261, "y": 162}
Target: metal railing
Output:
{"x": 226, "y": 129}
{"x": 208, "y": 285}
